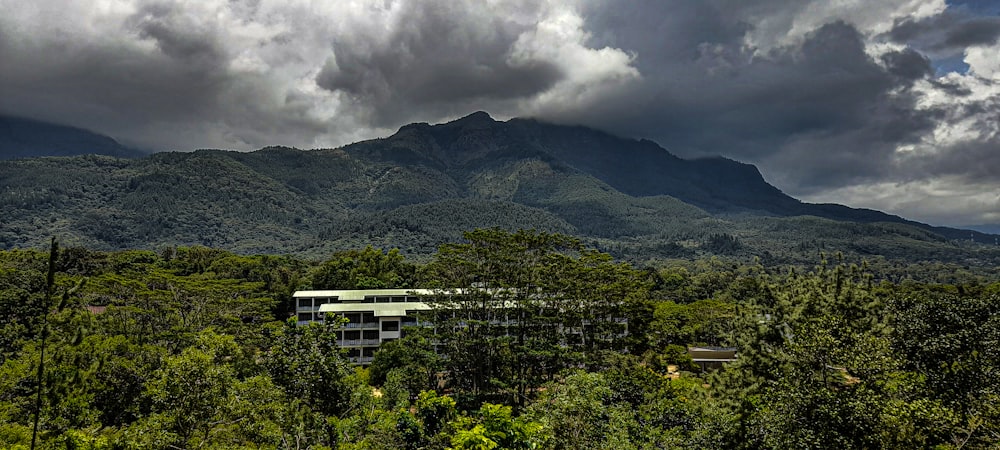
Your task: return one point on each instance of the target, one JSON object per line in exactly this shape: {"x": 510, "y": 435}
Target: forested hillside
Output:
{"x": 189, "y": 348}
{"x": 26, "y": 138}
{"x": 426, "y": 184}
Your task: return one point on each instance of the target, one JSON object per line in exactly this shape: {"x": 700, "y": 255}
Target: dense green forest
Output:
{"x": 190, "y": 347}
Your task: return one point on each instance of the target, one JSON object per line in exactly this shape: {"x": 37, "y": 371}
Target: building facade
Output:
{"x": 373, "y": 316}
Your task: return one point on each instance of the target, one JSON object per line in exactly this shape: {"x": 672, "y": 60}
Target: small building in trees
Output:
{"x": 712, "y": 358}
{"x": 373, "y": 316}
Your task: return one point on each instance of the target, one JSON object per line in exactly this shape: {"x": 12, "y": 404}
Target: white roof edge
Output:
{"x": 359, "y": 294}
{"x": 376, "y": 307}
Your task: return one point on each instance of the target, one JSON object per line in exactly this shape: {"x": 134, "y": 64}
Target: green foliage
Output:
{"x": 576, "y": 411}
{"x": 22, "y": 285}
{"x": 533, "y": 304}
{"x": 365, "y": 269}
{"x": 405, "y": 367}
{"x": 189, "y": 391}
{"x": 493, "y": 426}
{"x": 180, "y": 348}
{"x": 306, "y": 362}
{"x": 949, "y": 340}
{"x": 703, "y": 322}
{"x": 401, "y": 193}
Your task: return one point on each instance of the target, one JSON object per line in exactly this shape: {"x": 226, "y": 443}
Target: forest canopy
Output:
{"x": 192, "y": 347}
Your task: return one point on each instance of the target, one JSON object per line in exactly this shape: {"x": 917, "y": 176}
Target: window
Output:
{"x": 399, "y": 299}
{"x": 390, "y": 325}
{"x": 305, "y": 303}
{"x": 353, "y": 317}
{"x": 353, "y": 334}
{"x": 305, "y": 316}
{"x": 371, "y": 334}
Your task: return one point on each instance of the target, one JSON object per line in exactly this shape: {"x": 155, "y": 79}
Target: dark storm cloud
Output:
{"x": 158, "y": 78}
{"x": 953, "y": 30}
{"x": 980, "y": 31}
{"x": 823, "y": 96}
{"x": 177, "y": 37}
{"x": 974, "y": 160}
{"x": 662, "y": 32}
{"x": 815, "y": 114}
{"x": 951, "y": 88}
{"x": 114, "y": 79}
{"x": 908, "y": 64}
{"x": 444, "y": 56}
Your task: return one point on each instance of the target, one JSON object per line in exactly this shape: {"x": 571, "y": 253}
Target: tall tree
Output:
{"x": 365, "y": 269}
{"x": 307, "y": 364}
{"x": 522, "y": 306}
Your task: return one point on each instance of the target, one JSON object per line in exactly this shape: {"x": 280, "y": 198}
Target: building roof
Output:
{"x": 360, "y": 294}
{"x": 712, "y": 353}
{"x": 380, "y": 309}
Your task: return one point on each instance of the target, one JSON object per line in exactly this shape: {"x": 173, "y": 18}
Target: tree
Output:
{"x": 191, "y": 390}
{"x": 366, "y": 269}
{"x": 952, "y": 341}
{"x": 22, "y": 304}
{"x": 704, "y": 322}
{"x": 528, "y": 305}
{"x": 307, "y": 364}
{"x": 409, "y": 364}
{"x": 494, "y": 427}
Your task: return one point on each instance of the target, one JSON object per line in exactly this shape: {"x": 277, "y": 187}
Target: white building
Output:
{"x": 373, "y": 316}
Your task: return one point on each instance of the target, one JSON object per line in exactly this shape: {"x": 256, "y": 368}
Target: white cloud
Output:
{"x": 591, "y": 74}
{"x": 950, "y": 201}
{"x": 984, "y": 61}
{"x": 177, "y": 74}
{"x": 782, "y": 23}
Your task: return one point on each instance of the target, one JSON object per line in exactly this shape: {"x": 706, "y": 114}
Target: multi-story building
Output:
{"x": 373, "y": 316}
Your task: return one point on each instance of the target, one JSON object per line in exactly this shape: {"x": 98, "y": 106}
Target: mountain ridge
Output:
{"x": 424, "y": 185}
{"x": 693, "y": 181}
{"x": 28, "y": 138}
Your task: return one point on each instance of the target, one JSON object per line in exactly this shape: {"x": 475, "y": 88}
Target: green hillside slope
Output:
{"x": 426, "y": 184}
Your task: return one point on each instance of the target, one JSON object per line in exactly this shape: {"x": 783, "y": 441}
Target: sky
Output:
{"x": 887, "y": 104}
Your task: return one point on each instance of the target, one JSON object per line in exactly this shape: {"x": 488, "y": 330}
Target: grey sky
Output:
{"x": 854, "y": 102}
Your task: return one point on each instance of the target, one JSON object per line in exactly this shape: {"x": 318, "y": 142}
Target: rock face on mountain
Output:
{"x": 562, "y": 168}
{"x": 26, "y": 138}
{"x": 639, "y": 168}
{"x": 426, "y": 184}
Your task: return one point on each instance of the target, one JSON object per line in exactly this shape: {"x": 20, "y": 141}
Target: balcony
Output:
{"x": 361, "y": 325}
{"x": 357, "y": 342}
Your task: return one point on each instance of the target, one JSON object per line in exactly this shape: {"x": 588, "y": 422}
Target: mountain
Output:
{"x": 426, "y": 184}
{"x": 990, "y": 228}
{"x": 639, "y": 168}
{"x": 27, "y": 138}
